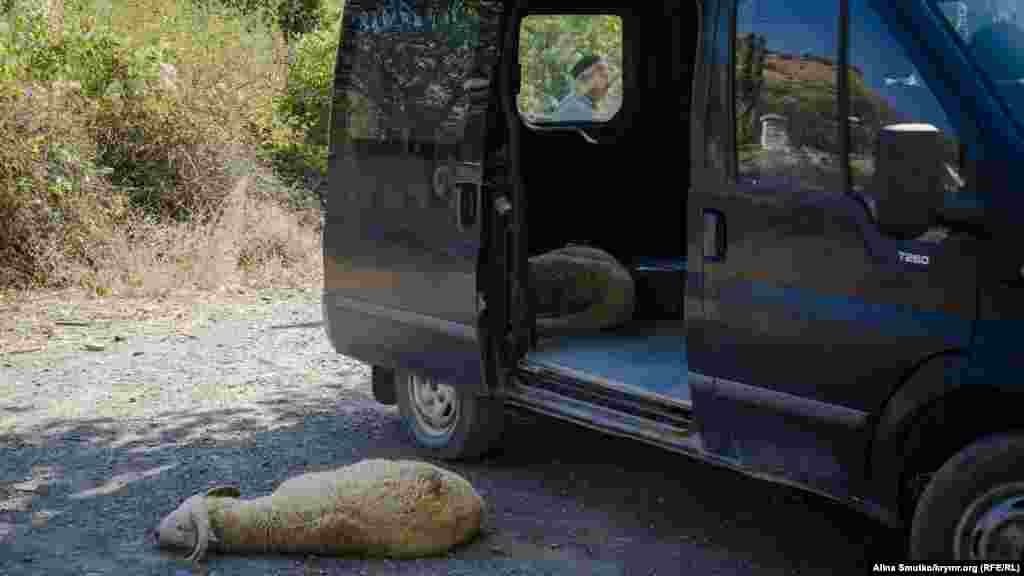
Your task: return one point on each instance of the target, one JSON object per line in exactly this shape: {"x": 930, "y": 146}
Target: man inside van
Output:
{"x": 591, "y": 76}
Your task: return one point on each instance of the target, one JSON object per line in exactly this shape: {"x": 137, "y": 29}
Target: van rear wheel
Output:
{"x": 448, "y": 421}
{"x": 973, "y": 508}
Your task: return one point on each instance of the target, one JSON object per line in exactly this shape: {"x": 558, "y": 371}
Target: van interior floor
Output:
{"x": 647, "y": 357}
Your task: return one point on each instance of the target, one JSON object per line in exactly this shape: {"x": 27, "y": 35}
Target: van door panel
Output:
{"x": 811, "y": 302}
{"x": 394, "y": 249}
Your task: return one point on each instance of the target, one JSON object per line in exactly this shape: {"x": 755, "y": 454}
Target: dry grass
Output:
{"x": 76, "y": 240}
{"x": 253, "y": 243}
{"x": 160, "y": 272}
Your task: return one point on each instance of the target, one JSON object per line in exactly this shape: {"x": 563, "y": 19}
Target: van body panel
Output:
{"x": 996, "y": 358}
{"x": 391, "y": 339}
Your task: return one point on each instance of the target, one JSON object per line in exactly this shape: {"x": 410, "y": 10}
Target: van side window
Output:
{"x": 993, "y": 35}
{"x": 412, "y": 86}
{"x": 785, "y": 96}
{"x": 887, "y": 93}
{"x": 571, "y": 68}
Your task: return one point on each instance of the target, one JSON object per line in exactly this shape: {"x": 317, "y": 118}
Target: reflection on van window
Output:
{"x": 993, "y": 31}
{"x": 457, "y": 22}
{"x": 786, "y": 97}
{"x": 888, "y": 91}
{"x": 571, "y": 68}
{"x": 413, "y": 88}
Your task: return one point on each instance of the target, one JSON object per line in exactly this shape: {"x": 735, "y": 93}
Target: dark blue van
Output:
{"x": 812, "y": 207}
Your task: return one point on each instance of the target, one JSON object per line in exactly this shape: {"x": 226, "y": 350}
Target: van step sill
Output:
{"x": 597, "y": 391}
{"x": 679, "y": 439}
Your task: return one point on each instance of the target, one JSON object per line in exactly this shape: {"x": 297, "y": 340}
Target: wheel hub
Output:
{"x": 992, "y": 528}
{"x": 434, "y": 404}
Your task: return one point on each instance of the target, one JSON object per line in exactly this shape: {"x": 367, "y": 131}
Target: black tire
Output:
{"x": 477, "y": 426}
{"x": 990, "y": 463}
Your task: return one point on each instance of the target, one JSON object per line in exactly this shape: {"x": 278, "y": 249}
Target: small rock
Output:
{"x": 39, "y": 519}
{"x": 33, "y": 487}
{"x": 131, "y": 400}
{"x": 119, "y": 338}
{"x": 555, "y": 545}
{"x": 93, "y": 347}
{"x": 16, "y": 504}
{"x": 137, "y": 353}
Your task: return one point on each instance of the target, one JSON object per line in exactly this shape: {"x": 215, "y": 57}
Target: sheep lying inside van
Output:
{"x": 580, "y": 289}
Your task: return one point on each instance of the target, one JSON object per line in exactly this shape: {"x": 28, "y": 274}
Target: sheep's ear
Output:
{"x": 224, "y": 492}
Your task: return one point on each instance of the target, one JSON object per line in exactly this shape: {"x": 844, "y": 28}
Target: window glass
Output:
{"x": 889, "y": 99}
{"x": 571, "y": 68}
{"x": 785, "y": 95}
{"x": 993, "y": 31}
{"x": 412, "y": 89}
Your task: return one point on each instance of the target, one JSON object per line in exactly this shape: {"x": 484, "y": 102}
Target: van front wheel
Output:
{"x": 448, "y": 421}
{"x": 973, "y": 508}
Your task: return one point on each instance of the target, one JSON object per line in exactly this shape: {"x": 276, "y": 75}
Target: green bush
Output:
{"x": 89, "y": 146}
{"x": 304, "y": 109}
{"x": 56, "y": 205}
{"x": 306, "y": 103}
{"x": 99, "y": 59}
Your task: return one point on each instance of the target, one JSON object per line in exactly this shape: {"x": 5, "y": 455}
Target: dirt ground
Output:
{"x": 112, "y": 413}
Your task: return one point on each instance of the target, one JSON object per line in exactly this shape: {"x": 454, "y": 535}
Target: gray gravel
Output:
{"x": 97, "y": 445}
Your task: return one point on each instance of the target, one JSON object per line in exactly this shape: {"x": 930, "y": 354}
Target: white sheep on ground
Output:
{"x": 382, "y": 508}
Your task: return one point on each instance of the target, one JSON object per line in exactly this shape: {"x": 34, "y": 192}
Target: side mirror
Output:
{"x": 907, "y": 185}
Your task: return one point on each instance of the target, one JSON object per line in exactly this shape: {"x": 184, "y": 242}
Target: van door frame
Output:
{"x": 520, "y": 334}
{"x": 503, "y": 342}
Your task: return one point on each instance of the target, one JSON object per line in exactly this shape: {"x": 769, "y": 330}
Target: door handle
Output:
{"x": 714, "y": 235}
{"x": 467, "y": 196}
{"x": 502, "y": 205}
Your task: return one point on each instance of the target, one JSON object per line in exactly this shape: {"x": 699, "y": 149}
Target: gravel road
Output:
{"x": 116, "y": 422}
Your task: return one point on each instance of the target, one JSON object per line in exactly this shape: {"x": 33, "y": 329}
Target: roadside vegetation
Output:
{"x": 151, "y": 146}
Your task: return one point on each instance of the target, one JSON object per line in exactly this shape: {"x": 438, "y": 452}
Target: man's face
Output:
{"x": 600, "y": 86}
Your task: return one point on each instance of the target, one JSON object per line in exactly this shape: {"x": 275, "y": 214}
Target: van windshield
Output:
{"x": 993, "y": 32}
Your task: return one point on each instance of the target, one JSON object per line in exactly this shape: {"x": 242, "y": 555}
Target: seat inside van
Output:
{"x": 625, "y": 195}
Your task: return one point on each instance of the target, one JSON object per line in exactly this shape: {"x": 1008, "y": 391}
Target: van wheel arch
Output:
{"x": 943, "y": 428}
{"x": 922, "y": 386}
